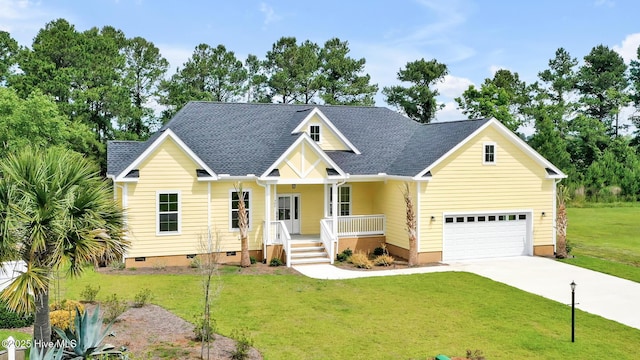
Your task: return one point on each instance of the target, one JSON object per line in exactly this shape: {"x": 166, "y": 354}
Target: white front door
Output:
{"x": 289, "y": 212}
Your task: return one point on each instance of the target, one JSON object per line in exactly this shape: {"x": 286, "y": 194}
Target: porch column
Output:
{"x": 267, "y": 220}
{"x": 334, "y": 209}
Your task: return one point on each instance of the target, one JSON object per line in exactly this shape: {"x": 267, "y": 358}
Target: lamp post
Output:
{"x": 573, "y": 311}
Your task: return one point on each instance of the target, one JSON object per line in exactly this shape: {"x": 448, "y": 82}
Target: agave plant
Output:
{"x": 84, "y": 341}
{"x": 40, "y": 354}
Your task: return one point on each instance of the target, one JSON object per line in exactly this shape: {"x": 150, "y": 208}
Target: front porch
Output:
{"x": 358, "y": 232}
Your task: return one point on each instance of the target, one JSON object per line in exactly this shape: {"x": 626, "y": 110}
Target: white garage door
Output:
{"x": 486, "y": 236}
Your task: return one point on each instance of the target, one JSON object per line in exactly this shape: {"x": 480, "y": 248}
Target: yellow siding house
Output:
{"x": 319, "y": 179}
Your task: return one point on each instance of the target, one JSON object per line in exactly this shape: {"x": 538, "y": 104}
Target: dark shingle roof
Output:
{"x": 241, "y": 139}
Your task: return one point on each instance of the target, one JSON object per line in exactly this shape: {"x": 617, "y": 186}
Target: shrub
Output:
{"x": 114, "y": 307}
{"x": 383, "y": 260}
{"x": 344, "y": 255}
{"x": 475, "y": 355}
{"x": 204, "y": 331}
{"x": 243, "y": 345}
{"x": 11, "y": 320}
{"x": 379, "y": 251}
{"x": 361, "y": 260}
{"x": 195, "y": 263}
{"x": 142, "y": 298}
{"x": 275, "y": 262}
{"x": 117, "y": 265}
{"x": 253, "y": 260}
{"x": 89, "y": 293}
{"x": 63, "y": 314}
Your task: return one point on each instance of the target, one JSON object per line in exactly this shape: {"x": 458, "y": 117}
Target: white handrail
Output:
{"x": 328, "y": 239}
{"x": 355, "y": 225}
{"x": 282, "y": 236}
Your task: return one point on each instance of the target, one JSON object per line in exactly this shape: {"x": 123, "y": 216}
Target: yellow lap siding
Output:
{"x": 362, "y": 198}
{"x": 462, "y": 183}
{"x": 328, "y": 139}
{"x": 167, "y": 169}
{"x": 170, "y": 169}
{"x": 229, "y": 240}
{"x": 390, "y": 199}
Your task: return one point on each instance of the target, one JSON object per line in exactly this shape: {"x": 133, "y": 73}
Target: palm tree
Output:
{"x": 411, "y": 225}
{"x": 56, "y": 214}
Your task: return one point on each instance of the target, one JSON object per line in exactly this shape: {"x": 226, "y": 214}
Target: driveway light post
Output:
{"x": 573, "y": 311}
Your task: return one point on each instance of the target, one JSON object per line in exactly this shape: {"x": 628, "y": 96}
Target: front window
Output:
{"x": 314, "y": 132}
{"x": 344, "y": 201}
{"x": 168, "y": 212}
{"x": 235, "y": 201}
{"x": 489, "y": 153}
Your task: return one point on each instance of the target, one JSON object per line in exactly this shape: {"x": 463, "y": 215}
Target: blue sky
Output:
{"x": 474, "y": 38}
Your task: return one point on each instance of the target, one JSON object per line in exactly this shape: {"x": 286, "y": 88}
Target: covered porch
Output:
{"x": 337, "y": 233}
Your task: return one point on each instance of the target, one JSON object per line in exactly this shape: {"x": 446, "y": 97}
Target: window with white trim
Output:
{"x": 489, "y": 153}
{"x": 235, "y": 201}
{"x": 314, "y": 132}
{"x": 168, "y": 212}
{"x": 344, "y": 200}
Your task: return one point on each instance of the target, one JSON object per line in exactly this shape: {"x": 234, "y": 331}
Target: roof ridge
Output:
{"x": 286, "y": 104}
{"x": 455, "y": 121}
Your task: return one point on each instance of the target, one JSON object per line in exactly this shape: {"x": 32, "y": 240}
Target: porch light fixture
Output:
{"x": 433, "y": 218}
{"x": 293, "y": 186}
{"x": 544, "y": 214}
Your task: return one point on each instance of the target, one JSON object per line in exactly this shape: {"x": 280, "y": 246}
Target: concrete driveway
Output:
{"x": 597, "y": 293}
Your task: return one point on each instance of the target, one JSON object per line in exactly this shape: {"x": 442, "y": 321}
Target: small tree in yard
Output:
{"x": 208, "y": 265}
{"x": 411, "y": 226}
{"x": 561, "y": 223}
{"x": 243, "y": 226}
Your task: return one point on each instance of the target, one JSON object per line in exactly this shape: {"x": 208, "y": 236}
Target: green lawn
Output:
{"x": 606, "y": 239}
{"x": 401, "y": 317}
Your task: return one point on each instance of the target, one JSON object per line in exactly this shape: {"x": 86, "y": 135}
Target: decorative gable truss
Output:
{"x": 131, "y": 172}
{"x": 303, "y": 162}
{"x": 323, "y": 131}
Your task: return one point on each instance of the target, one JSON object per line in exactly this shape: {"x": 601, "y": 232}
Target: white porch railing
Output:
{"x": 355, "y": 225}
{"x": 278, "y": 234}
{"x": 329, "y": 241}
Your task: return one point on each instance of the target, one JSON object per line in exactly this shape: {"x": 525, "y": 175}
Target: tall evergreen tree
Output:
{"x": 257, "y": 87}
{"x": 8, "y": 53}
{"x": 211, "y": 74}
{"x": 602, "y": 84}
{"x": 341, "y": 78}
{"x": 293, "y": 71}
{"x": 418, "y": 101}
{"x": 504, "y": 97}
{"x": 145, "y": 67}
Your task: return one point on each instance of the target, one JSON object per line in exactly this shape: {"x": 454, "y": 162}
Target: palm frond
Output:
{"x": 19, "y": 294}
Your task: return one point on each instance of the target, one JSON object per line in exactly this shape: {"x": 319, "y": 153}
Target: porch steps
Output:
{"x": 308, "y": 251}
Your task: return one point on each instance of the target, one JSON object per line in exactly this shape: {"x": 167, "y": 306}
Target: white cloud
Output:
{"x": 493, "y": 69}
{"x": 453, "y": 86}
{"x": 607, "y": 3}
{"x": 175, "y": 55}
{"x": 24, "y": 18}
{"x": 450, "y": 112}
{"x": 629, "y": 47}
{"x": 270, "y": 15}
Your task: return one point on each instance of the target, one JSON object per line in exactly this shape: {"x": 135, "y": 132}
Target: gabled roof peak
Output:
{"x": 316, "y": 112}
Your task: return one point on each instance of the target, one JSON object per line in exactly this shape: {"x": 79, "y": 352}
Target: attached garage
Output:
{"x": 486, "y": 235}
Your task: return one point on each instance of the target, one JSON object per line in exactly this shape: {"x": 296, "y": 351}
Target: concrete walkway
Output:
{"x": 597, "y": 293}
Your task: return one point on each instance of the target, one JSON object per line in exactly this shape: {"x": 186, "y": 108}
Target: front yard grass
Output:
{"x": 397, "y": 317}
{"x": 606, "y": 239}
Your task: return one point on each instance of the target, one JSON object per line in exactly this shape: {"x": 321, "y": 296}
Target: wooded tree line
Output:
{"x": 79, "y": 89}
